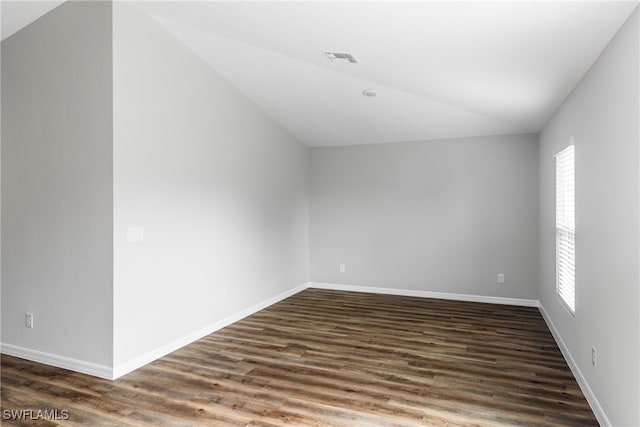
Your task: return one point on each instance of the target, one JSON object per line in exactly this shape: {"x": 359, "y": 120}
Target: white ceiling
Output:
{"x": 441, "y": 69}
{"x": 17, "y": 14}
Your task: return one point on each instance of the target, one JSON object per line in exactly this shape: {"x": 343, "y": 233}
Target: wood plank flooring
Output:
{"x": 331, "y": 358}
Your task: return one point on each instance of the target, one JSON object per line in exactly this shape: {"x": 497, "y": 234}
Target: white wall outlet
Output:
{"x": 343, "y": 268}
{"x": 594, "y": 356}
{"x": 501, "y": 278}
{"x": 28, "y": 320}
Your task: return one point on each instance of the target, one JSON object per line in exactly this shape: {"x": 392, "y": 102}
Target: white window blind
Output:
{"x": 566, "y": 227}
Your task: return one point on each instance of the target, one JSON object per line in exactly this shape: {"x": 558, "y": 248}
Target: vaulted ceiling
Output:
{"x": 16, "y": 14}
{"x": 440, "y": 69}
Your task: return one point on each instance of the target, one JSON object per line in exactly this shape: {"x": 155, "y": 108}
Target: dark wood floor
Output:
{"x": 330, "y": 358}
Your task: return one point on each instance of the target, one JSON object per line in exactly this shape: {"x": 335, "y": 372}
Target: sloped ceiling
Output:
{"x": 17, "y": 14}
{"x": 441, "y": 69}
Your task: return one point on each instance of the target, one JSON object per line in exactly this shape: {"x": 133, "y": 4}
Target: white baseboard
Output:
{"x": 107, "y": 372}
{"x": 582, "y": 382}
{"x": 76, "y": 365}
{"x": 427, "y": 294}
{"x": 131, "y": 365}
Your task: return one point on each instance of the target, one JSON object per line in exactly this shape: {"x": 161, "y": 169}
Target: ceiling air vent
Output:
{"x": 334, "y": 56}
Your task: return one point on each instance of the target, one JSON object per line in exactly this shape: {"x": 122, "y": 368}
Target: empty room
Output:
{"x": 421, "y": 213}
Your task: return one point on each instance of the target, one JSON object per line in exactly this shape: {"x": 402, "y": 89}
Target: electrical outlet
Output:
{"x": 501, "y": 278}
{"x": 594, "y": 356}
{"x": 28, "y": 320}
{"x": 343, "y": 268}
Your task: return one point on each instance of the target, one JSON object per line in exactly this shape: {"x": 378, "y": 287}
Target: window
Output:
{"x": 566, "y": 227}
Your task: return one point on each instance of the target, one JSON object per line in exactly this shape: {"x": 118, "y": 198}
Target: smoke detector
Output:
{"x": 335, "y": 56}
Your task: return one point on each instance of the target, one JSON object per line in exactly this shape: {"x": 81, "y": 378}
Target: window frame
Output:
{"x": 565, "y": 227}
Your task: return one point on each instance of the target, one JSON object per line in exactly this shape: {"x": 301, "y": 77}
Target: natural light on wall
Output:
{"x": 566, "y": 227}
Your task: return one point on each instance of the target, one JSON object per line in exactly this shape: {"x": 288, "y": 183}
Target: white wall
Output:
{"x": 602, "y": 113}
{"x": 219, "y": 187}
{"x": 443, "y": 216}
{"x": 56, "y": 184}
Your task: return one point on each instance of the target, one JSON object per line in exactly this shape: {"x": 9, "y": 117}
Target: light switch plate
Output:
{"x": 135, "y": 234}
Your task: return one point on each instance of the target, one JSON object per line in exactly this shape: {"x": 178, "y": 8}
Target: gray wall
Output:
{"x": 56, "y": 184}
{"x": 602, "y": 113}
{"x": 219, "y": 187}
{"x": 444, "y": 216}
